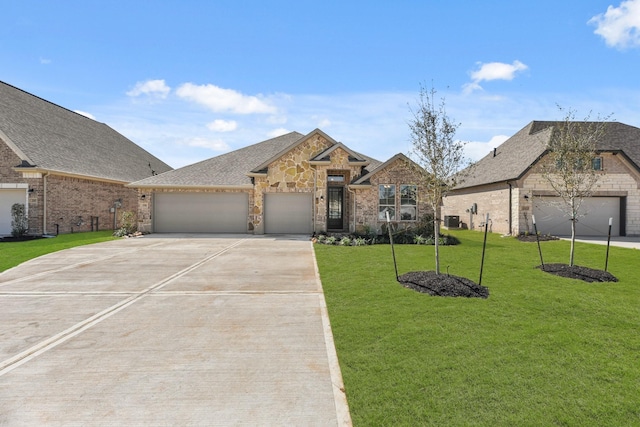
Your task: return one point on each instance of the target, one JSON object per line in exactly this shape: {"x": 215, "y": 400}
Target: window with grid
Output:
{"x": 386, "y": 201}
{"x": 408, "y": 202}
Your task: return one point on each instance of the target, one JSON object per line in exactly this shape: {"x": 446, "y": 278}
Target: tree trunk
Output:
{"x": 436, "y": 242}
{"x": 573, "y": 240}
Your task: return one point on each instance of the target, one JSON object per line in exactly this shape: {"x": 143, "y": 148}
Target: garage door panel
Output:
{"x": 9, "y": 197}
{"x": 288, "y": 213}
{"x": 593, "y": 217}
{"x": 201, "y": 212}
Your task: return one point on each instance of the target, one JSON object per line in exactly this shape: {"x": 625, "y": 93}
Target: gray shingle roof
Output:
{"x": 56, "y": 139}
{"x": 228, "y": 169}
{"x": 517, "y": 154}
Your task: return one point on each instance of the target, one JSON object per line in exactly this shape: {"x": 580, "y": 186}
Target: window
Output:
{"x": 386, "y": 201}
{"x": 408, "y": 202}
{"x": 335, "y": 178}
{"x": 596, "y": 163}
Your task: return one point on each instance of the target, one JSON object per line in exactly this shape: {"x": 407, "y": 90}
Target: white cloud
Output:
{"x": 475, "y": 150}
{"x": 619, "y": 26}
{"x": 224, "y": 100}
{"x": 45, "y": 61}
{"x": 223, "y": 125}
{"x": 157, "y": 88}
{"x": 278, "y": 132}
{"x": 82, "y": 113}
{"x": 493, "y": 71}
{"x": 211, "y": 144}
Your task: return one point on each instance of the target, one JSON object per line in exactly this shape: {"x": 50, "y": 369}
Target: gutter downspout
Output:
{"x": 354, "y": 208}
{"x": 510, "y": 208}
{"x": 315, "y": 197}
{"x": 44, "y": 203}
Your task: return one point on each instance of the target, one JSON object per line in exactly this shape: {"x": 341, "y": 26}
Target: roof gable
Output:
{"x": 354, "y": 157}
{"x": 365, "y": 178}
{"x": 265, "y": 164}
{"x": 52, "y": 138}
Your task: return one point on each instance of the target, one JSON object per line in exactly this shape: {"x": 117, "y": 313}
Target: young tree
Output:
{"x": 570, "y": 168}
{"x": 19, "y": 221}
{"x": 436, "y": 151}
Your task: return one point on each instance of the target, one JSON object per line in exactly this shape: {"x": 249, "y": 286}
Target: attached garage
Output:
{"x": 288, "y": 213}
{"x": 8, "y": 197}
{"x": 201, "y": 212}
{"x": 593, "y": 219}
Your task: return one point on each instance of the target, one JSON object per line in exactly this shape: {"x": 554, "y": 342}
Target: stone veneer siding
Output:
{"x": 293, "y": 173}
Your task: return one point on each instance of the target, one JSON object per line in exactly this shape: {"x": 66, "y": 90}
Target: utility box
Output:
{"x": 451, "y": 221}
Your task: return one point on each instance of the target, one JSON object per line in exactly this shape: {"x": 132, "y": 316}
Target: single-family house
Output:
{"x": 68, "y": 170}
{"x": 508, "y": 184}
{"x": 293, "y": 183}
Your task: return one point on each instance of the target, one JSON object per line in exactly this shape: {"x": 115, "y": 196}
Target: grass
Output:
{"x": 14, "y": 253}
{"x": 541, "y": 350}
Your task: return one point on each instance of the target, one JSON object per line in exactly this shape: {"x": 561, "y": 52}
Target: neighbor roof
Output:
{"x": 52, "y": 138}
{"x": 519, "y": 153}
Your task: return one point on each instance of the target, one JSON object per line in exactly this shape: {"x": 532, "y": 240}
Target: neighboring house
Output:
{"x": 509, "y": 186}
{"x": 290, "y": 184}
{"x": 69, "y": 171}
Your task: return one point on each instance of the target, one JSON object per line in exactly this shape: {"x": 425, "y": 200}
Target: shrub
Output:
{"x": 345, "y": 241}
{"x": 360, "y": 241}
{"x": 331, "y": 240}
{"x": 419, "y": 240}
{"x": 19, "y": 221}
{"x": 127, "y": 224}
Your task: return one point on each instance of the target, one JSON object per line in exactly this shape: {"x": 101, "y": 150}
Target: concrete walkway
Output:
{"x": 623, "y": 242}
{"x": 161, "y": 330}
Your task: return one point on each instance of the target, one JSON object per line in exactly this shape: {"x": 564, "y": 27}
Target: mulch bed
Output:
{"x": 442, "y": 285}
{"x": 581, "y": 273}
{"x": 19, "y": 239}
{"x": 532, "y": 238}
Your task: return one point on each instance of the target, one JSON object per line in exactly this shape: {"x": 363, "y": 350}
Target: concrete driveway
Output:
{"x": 169, "y": 330}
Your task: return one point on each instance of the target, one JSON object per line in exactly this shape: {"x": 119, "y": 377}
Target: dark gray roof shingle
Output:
{"x": 517, "y": 154}
{"x": 228, "y": 169}
{"x": 57, "y": 139}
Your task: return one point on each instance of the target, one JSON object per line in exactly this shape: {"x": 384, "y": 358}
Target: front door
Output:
{"x": 335, "y": 209}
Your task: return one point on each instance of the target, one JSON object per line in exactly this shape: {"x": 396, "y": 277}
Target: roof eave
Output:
{"x": 190, "y": 187}
{"x": 36, "y": 169}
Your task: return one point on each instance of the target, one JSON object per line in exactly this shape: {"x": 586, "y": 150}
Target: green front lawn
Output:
{"x": 14, "y": 253}
{"x": 540, "y": 351}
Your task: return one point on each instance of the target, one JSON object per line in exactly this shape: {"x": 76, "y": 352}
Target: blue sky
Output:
{"x": 188, "y": 80}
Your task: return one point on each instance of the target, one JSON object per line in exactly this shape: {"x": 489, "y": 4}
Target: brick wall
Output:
{"x": 489, "y": 199}
{"x": 397, "y": 173}
{"x": 71, "y": 202}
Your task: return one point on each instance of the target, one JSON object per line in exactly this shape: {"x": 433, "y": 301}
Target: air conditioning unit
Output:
{"x": 452, "y": 221}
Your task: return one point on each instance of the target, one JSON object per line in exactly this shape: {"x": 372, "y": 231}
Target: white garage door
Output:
{"x": 200, "y": 212}
{"x": 8, "y": 197}
{"x": 593, "y": 220}
{"x": 288, "y": 213}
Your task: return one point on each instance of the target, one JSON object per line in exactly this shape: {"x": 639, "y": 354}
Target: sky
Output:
{"x": 189, "y": 80}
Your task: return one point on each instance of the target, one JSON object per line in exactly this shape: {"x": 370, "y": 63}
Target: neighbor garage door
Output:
{"x": 593, "y": 220}
{"x": 201, "y": 212}
{"x": 8, "y": 197}
{"x": 288, "y": 213}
